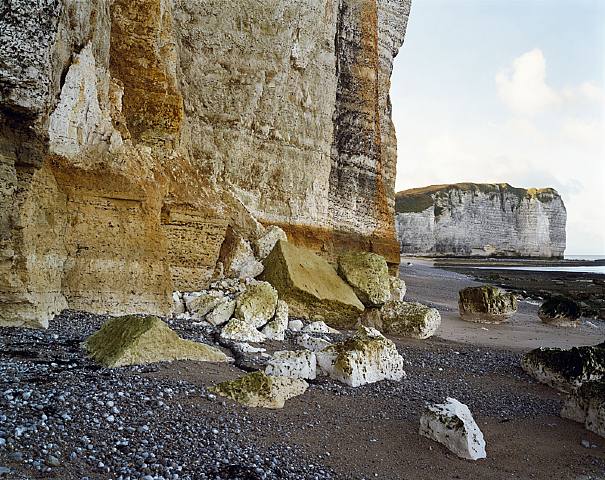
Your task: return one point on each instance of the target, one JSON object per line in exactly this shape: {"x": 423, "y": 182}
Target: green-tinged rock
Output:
{"x": 403, "y": 318}
{"x": 241, "y": 331}
{"x": 200, "y": 305}
{"x": 486, "y": 304}
{"x": 566, "y": 370}
{"x": 368, "y": 274}
{"x": 256, "y": 306}
{"x": 258, "y": 389}
{"x": 134, "y": 340}
{"x": 311, "y": 286}
{"x": 560, "y": 311}
{"x": 587, "y": 405}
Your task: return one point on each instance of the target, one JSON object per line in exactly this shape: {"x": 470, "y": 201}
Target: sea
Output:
{"x": 597, "y": 269}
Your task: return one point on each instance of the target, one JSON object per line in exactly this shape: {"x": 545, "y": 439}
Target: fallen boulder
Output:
{"x": 241, "y": 331}
{"x": 367, "y": 357}
{"x": 315, "y": 344}
{"x": 319, "y": 327}
{"x": 199, "y": 304}
{"x": 178, "y": 305}
{"x": 276, "y": 328}
{"x": 295, "y": 325}
{"x": 237, "y": 257}
{"x": 136, "y": 340}
{"x": 452, "y": 424}
{"x": 566, "y": 370}
{"x": 256, "y": 306}
{"x": 258, "y": 389}
{"x": 398, "y": 289}
{"x": 293, "y": 364}
{"x": 310, "y": 285}
{"x": 403, "y": 318}
{"x": 221, "y": 313}
{"x": 265, "y": 243}
{"x": 560, "y": 311}
{"x": 587, "y": 405}
{"x": 368, "y": 274}
{"x": 486, "y": 304}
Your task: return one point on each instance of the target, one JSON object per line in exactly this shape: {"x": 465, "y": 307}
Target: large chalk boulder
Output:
{"x": 486, "y": 304}
{"x": 452, "y": 424}
{"x": 403, "y": 318}
{"x": 199, "y": 304}
{"x": 266, "y": 242}
{"x": 315, "y": 344}
{"x": 293, "y": 363}
{"x": 368, "y": 274}
{"x": 587, "y": 405}
{"x": 310, "y": 285}
{"x": 256, "y": 306}
{"x": 367, "y": 357}
{"x": 566, "y": 370}
{"x": 560, "y": 312}
{"x": 241, "y": 331}
{"x": 136, "y": 340}
{"x": 276, "y": 328}
{"x": 237, "y": 257}
{"x": 257, "y": 389}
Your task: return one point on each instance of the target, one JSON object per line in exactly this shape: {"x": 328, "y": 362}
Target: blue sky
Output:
{"x": 507, "y": 91}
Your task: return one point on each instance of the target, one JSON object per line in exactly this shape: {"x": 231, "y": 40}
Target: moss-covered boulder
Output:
{"x": 258, "y": 389}
{"x": 135, "y": 340}
{"x": 256, "y": 306}
{"x": 367, "y": 357}
{"x": 566, "y": 370}
{"x": 560, "y": 311}
{"x": 368, "y": 274}
{"x": 587, "y": 405}
{"x": 403, "y": 318}
{"x": 310, "y": 285}
{"x": 486, "y": 304}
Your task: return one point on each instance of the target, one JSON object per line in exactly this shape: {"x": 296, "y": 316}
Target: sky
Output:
{"x": 507, "y": 91}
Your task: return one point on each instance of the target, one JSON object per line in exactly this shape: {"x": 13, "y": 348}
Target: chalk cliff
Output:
{"x": 468, "y": 219}
{"x": 134, "y": 134}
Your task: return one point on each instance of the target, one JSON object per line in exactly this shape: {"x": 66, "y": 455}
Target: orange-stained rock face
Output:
{"x": 149, "y": 128}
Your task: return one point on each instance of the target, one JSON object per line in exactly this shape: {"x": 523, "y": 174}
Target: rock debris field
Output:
{"x": 62, "y": 416}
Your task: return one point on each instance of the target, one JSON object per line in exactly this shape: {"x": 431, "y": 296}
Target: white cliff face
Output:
{"x": 481, "y": 220}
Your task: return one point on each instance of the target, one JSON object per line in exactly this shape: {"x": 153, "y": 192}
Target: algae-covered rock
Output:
{"x": 587, "y": 405}
{"x": 403, "y": 318}
{"x": 257, "y": 304}
{"x": 276, "y": 328}
{"x": 398, "y": 289}
{"x": 241, "y": 331}
{"x": 560, "y": 311}
{"x": 258, "y": 389}
{"x": 310, "y": 285}
{"x": 265, "y": 243}
{"x": 367, "y": 357}
{"x": 566, "y": 370}
{"x": 134, "y": 340}
{"x": 368, "y": 274}
{"x": 293, "y": 363}
{"x": 486, "y": 304}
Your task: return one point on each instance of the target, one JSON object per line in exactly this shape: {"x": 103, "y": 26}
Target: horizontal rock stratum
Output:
{"x": 133, "y": 134}
{"x": 481, "y": 219}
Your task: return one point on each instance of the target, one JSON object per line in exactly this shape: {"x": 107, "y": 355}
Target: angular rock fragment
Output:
{"x": 315, "y": 344}
{"x": 587, "y": 405}
{"x": 560, "y": 311}
{"x": 368, "y": 274}
{"x": 257, "y": 304}
{"x": 178, "y": 305}
{"x": 237, "y": 257}
{"x": 258, "y": 389}
{"x": 566, "y": 370}
{"x": 295, "y": 325}
{"x": 486, "y": 304}
{"x": 241, "y": 331}
{"x": 398, "y": 289}
{"x": 452, "y": 424}
{"x": 367, "y": 357}
{"x": 403, "y": 318}
{"x": 319, "y": 327}
{"x": 200, "y": 304}
{"x": 264, "y": 244}
{"x": 135, "y": 340}
{"x": 276, "y": 328}
{"x": 310, "y": 285}
{"x": 221, "y": 313}
{"x": 293, "y": 364}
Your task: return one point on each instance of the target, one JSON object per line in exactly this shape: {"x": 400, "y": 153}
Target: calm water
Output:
{"x": 577, "y": 269}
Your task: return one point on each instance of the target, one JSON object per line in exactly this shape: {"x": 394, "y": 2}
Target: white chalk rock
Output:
{"x": 256, "y": 306}
{"x": 293, "y": 364}
{"x": 200, "y": 303}
{"x": 178, "y": 306}
{"x": 241, "y": 331}
{"x": 319, "y": 327}
{"x": 397, "y": 288}
{"x": 315, "y": 344}
{"x": 367, "y": 357}
{"x": 452, "y": 424}
{"x": 265, "y": 243}
{"x": 295, "y": 325}
{"x": 243, "y": 347}
{"x": 221, "y": 313}
{"x": 276, "y": 328}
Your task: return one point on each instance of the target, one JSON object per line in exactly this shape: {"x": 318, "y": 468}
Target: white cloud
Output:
{"x": 523, "y": 87}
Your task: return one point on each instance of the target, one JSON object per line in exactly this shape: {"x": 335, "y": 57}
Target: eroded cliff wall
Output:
{"x": 481, "y": 220}
{"x": 133, "y": 134}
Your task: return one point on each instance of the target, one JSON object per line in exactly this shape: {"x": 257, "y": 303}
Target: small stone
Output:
{"x": 319, "y": 327}
{"x": 52, "y": 461}
{"x": 560, "y": 312}
{"x": 585, "y": 443}
{"x": 295, "y": 325}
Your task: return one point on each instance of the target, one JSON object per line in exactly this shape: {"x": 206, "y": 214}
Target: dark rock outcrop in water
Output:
{"x": 469, "y": 219}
